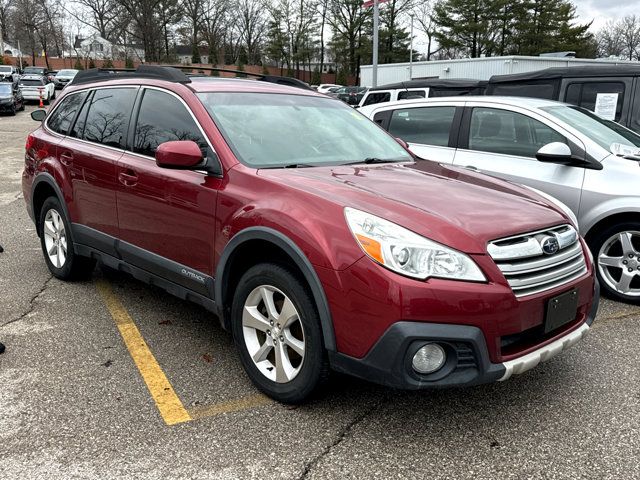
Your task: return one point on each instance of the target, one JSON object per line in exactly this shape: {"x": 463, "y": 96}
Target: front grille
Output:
{"x": 529, "y": 269}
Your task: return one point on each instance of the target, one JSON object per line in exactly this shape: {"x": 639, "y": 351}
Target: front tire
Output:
{"x": 277, "y": 332}
{"x": 57, "y": 246}
{"x": 617, "y": 253}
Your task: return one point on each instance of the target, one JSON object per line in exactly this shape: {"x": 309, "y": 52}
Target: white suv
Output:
{"x": 587, "y": 163}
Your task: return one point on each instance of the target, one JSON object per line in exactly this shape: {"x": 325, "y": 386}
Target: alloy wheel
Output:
{"x": 273, "y": 333}
{"x": 619, "y": 263}
{"x": 55, "y": 238}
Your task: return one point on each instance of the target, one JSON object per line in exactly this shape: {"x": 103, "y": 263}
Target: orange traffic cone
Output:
{"x": 41, "y": 102}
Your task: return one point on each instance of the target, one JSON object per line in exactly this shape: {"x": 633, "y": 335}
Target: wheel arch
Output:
{"x": 240, "y": 253}
{"x": 43, "y": 187}
{"x": 610, "y": 220}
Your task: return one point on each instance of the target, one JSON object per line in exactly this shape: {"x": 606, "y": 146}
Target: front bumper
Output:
{"x": 389, "y": 361}
{"x": 6, "y": 106}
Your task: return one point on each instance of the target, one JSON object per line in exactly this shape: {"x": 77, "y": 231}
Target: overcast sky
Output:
{"x": 602, "y": 10}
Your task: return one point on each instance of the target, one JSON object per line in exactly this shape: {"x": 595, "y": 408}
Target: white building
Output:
{"x": 185, "y": 54}
{"x": 472, "y": 68}
{"x": 98, "y": 48}
{"x": 9, "y": 49}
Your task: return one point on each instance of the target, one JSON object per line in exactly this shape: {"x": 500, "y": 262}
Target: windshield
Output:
{"x": 5, "y": 88}
{"x": 66, "y": 73}
{"x": 5, "y": 69}
{"x": 603, "y": 132}
{"x": 35, "y": 70}
{"x": 276, "y": 130}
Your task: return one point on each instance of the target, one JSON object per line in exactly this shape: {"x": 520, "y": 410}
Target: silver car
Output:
{"x": 588, "y": 163}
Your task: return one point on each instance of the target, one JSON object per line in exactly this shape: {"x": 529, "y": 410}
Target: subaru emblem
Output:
{"x": 549, "y": 245}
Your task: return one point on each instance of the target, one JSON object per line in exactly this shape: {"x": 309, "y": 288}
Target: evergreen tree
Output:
{"x": 78, "y": 65}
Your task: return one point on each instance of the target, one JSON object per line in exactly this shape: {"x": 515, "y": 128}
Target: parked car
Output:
{"x": 63, "y": 77}
{"x": 40, "y": 71}
{"x": 10, "y": 98}
{"x": 8, "y": 73}
{"x": 351, "y": 95}
{"x": 612, "y": 91}
{"x": 333, "y": 251}
{"x": 34, "y": 87}
{"x": 429, "y": 87}
{"x": 565, "y": 151}
{"x": 324, "y": 87}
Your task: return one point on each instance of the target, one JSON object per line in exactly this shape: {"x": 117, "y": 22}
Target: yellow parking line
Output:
{"x": 167, "y": 401}
{"x": 231, "y": 406}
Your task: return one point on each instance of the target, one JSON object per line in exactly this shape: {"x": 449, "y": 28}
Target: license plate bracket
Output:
{"x": 561, "y": 310}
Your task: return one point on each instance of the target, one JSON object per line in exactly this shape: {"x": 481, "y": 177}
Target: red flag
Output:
{"x": 369, "y": 3}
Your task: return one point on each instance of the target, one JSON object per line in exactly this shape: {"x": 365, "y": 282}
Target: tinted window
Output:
{"x": 61, "y": 119}
{"x": 509, "y": 133}
{"x": 585, "y": 94}
{"x": 377, "y": 98}
{"x": 405, "y": 95}
{"x": 78, "y": 127}
{"x": 164, "y": 118}
{"x": 108, "y": 118}
{"x": 32, "y": 83}
{"x": 426, "y": 125}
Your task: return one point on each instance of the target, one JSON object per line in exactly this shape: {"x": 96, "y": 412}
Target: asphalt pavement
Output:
{"x": 76, "y": 399}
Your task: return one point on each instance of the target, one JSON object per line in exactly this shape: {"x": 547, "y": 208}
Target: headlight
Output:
{"x": 558, "y": 204}
{"x": 408, "y": 253}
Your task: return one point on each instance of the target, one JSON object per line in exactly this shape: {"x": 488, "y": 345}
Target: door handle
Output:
{"x": 128, "y": 178}
{"x": 471, "y": 167}
{"x": 66, "y": 158}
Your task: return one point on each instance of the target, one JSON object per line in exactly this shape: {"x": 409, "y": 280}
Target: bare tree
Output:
{"x": 251, "y": 24}
{"x": 104, "y": 16}
{"x": 609, "y": 40}
{"x": 629, "y": 31}
{"x": 347, "y": 20}
{"x": 423, "y": 16}
{"x": 144, "y": 25}
{"x": 214, "y": 27}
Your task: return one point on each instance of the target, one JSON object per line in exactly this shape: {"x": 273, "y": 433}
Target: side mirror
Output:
{"x": 556, "y": 152}
{"x": 39, "y": 115}
{"x": 179, "y": 154}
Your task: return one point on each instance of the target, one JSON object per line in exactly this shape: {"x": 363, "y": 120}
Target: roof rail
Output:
{"x": 290, "y": 81}
{"x": 174, "y": 73}
{"x": 154, "y": 72}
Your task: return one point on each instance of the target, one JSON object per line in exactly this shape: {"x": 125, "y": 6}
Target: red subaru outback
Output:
{"x": 308, "y": 230}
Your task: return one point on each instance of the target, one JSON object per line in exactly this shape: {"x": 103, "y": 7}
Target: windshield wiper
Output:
{"x": 370, "y": 160}
{"x": 297, "y": 165}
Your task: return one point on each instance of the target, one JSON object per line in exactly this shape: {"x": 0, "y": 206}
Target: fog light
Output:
{"x": 429, "y": 358}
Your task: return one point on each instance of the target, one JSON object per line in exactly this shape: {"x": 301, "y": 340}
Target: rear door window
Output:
{"x": 585, "y": 94}
{"x": 509, "y": 133}
{"x": 163, "y": 118}
{"x": 424, "y": 125}
{"x": 61, "y": 119}
{"x": 377, "y": 97}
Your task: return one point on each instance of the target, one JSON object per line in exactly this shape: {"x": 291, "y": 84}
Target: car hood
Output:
{"x": 450, "y": 205}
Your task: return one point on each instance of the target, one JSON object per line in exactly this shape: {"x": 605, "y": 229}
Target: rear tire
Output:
{"x": 616, "y": 251}
{"x": 277, "y": 332}
{"x": 57, "y": 246}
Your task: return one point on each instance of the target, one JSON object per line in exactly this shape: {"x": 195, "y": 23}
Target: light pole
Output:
{"x": 411, "y": 51}
{"x": 374, "y": 71}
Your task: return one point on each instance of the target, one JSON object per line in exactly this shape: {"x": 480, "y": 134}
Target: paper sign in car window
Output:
{"x": 606, "y": 104}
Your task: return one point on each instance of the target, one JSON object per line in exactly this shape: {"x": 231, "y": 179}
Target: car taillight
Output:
{"x": 31, "y": 140}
